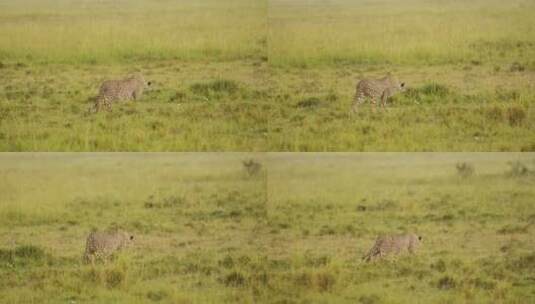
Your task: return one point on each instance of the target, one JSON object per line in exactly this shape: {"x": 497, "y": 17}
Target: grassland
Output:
{"x": 469, "y": 68}
{"x": 97, "y": 32}
{"x": 190, "y": 107}
{"x": 268, "y": 75}
{"x": 416, "y": 32}
{"x": 208, "y": 231}
{"x": 194, "y": 216}
{"x": 325, "y": 210}
{"x": 206, "y": 59}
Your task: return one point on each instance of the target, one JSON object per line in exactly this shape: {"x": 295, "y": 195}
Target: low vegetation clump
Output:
{"x": 215, "y": 89}
{"x": 518, "y": 169}
{"x": 464, "y": 169}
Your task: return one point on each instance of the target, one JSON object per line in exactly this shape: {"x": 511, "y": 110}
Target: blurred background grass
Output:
{"x": 414, "y": 32}
{"x": 108, "y": 31}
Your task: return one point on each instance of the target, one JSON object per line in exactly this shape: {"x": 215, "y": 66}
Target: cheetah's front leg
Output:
{"x": 384, "y": 97}
{"x": 107, "y": 103}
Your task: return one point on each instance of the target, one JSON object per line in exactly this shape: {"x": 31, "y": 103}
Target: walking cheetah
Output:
{"x": 130, "y": 88}
{"x": 393, "y": 245}
{"x": 374, "y": 89}
{"x": 102, "y": 245}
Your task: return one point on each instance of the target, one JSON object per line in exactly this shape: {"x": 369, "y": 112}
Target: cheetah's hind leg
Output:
{"x": 107, "y": 103}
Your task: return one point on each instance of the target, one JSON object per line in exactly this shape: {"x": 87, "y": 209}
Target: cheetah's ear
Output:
{"x": 131, "y": 237}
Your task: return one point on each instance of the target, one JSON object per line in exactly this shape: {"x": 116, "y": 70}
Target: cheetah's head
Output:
{"x": 139, "y": 77}
{"x": 417, "y": 240}
{"x": 127, "y": 239}
{"x": 395, "y": 83}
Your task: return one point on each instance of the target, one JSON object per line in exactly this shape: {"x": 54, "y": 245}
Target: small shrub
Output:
{"x": 516, "y": 115}
{"x": 321, "y": 281}
{"x": 435, "y": 90}
{"x": 177, "y": 97}
{"x": 523, "y": 263}
{"x": 507, "y": 95}
{"x": 234, "y": 279}
{"x": 495, "y": 113}
{"x": 361, "y": 208}
{"x": 331, "y": 97}
{"x": 464, "y": 169}
{"x": 29, "y": 252}
{"x": 227, "y": 262}
{"x": 93, "y": 275}
{"x": 528, "y": 148}
{"x": 166, "y": 202}
{"x": 325, "y": 281}
{"x": 517, "y": 67}
{"x": 371, "y": 299}
{"x": 484, "y": 284}
{"x": 383, "y": 205}
{"x": 517, "y": 169}
{"x": 114, "y": 278}
{"x": 511, "y": 229}
{"x": 446, "y": 283}
{"x": 327, "y": 230}
{"x": 22, "y": 254}
{"x": 252, "y": 167}
{"x": 215, "y": 87}
{"x": 317, "y": 261}
{"x": 439, "y": 266}
{"x": 309, "y": 102}
{"x": 156, "y": 295}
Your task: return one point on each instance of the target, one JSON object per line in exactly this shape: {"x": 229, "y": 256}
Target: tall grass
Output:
{"x": 326, "y": 209}
{"x": 305, "y": 33}
{"x": 190, "y": 213}
{"x": 117, "y": 31}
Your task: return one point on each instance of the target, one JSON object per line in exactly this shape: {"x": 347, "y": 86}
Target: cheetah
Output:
{"x": 130, "y": 88}
{"x": 393, "y": 245}
{"x": 374, "y": 89}
{"x": 102, "y": 245}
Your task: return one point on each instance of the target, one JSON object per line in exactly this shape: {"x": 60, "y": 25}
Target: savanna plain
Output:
{"x": 204, "y": 59}
{"x": 194, "y": 218}
{"x": 468, "y": 68}
{"x": 292, "y": 228}
{"x": 474, "y": 213}
{"x": 250, "y": 75}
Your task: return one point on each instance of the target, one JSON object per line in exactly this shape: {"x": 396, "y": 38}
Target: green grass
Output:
{"x": 207, "y": 230}
{"x": 206, "y": 60}
{"x": 325, "y": 211}
{"x": 468, "y": 67}
{"x": 446, "y": 108}
{"x": 268, "y": 75}
{"x": 310, "y": 33}
{"x": 191, "y": 107}
{"x": 194, "y": 217}
{"x": 95, "y": 32}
